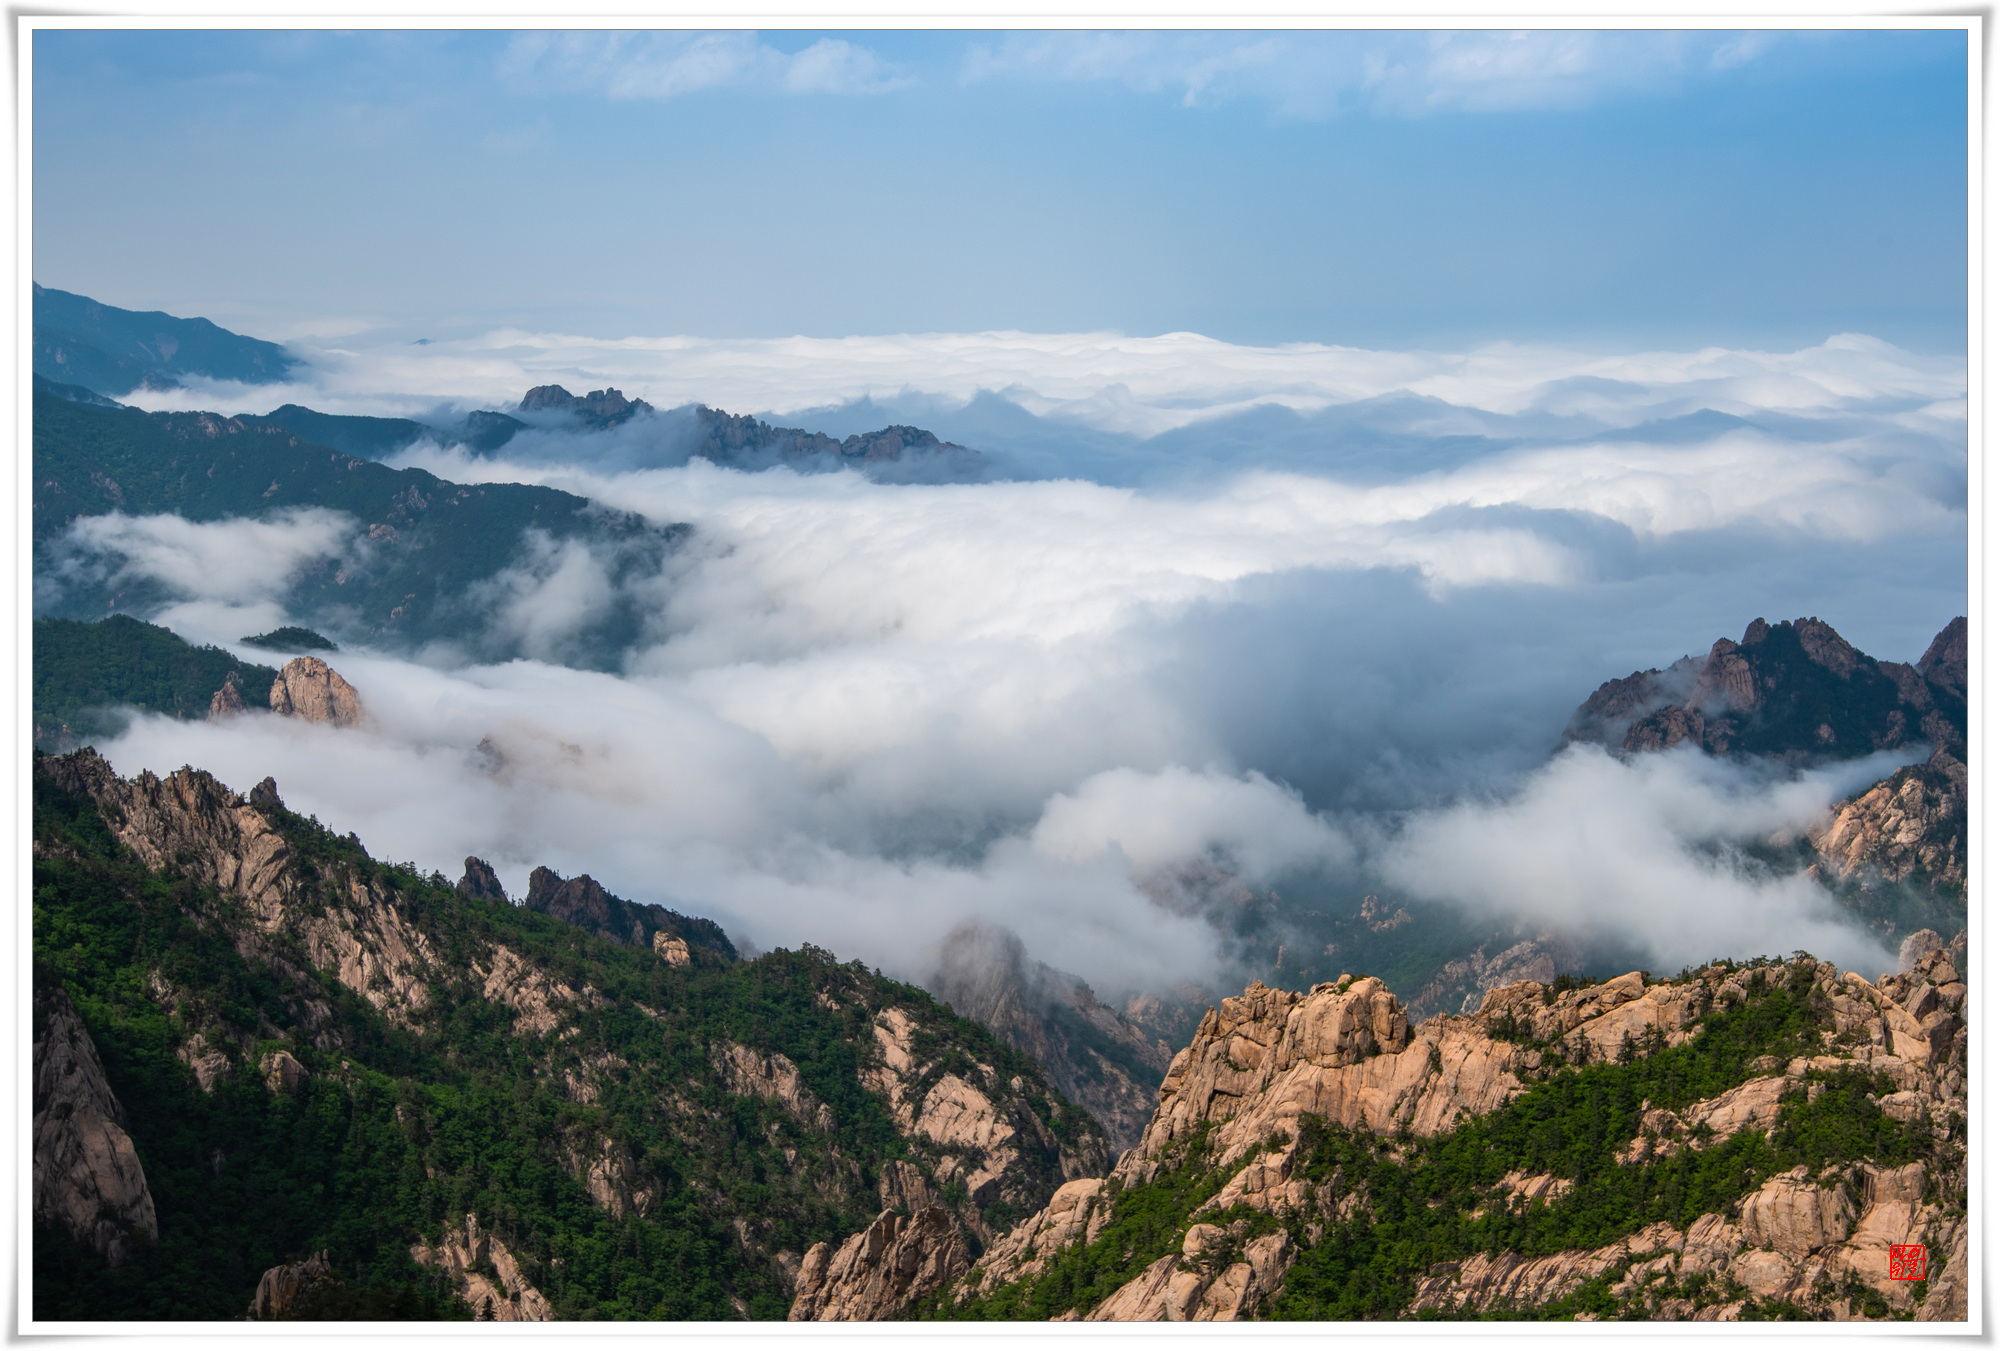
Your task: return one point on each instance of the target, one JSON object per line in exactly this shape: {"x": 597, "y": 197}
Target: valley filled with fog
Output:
{"x": 1196, "y": 647}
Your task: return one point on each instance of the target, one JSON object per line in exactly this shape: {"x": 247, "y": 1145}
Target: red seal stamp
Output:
{"x": 1907, "y": 1262}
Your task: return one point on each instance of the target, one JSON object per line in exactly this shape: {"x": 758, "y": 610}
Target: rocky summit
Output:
{"x": 1740, "y": 1142}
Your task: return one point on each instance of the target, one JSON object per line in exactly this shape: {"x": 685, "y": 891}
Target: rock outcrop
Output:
{"x": 310, "y": 689}
{"x": 583, "y": 902}
{"x": 1795, "y": 689}
{"x": 87, "y": 1176}
{"x": 1100, "y": 1059}
{"x": 279, "y": 1289}
{"x": 481, "y": 881}
{"x": 881, "y": 1271}
{"x": 469, "y": 1253}
{"x": 1345, "y": 1053}
{"x": 228, "y": 700}
{"x": 1909, "y": 826}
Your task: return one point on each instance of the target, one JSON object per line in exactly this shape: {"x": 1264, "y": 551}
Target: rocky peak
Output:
{"x": 310, "y": 689}
{"x": 582, "y": 901}
{"x": 1943, "y": 663}
{"x": 481, "y": 881}
{"x": 228, "y": 700}
{"x": 1795, "y": 690}
{"x": 600, "y": 408}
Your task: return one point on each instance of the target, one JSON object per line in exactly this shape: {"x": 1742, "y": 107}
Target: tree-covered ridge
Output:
{"x": 85, "y": 671}
{"x": 416, "y": 567}
{"x": 586, "y": 1100}
{"x": 1649, "y": 1145}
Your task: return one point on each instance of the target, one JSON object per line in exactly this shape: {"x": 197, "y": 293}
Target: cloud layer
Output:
{"x": 1095, "y": 700}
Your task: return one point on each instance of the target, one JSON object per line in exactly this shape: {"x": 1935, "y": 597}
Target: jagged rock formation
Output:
{"x": 1273, "y": 1076}
{"x": 228, "y": 700}
{"x": 599, "y": 408}
{"x": 468, "y": 1252}
{"x": 87, "y": 1175}
{"x": 279, "y": 1289}
{"x": 880, "y": 1271}
{"x": 747, "y": 442}
{"x": 1910, "y": 826}
{"x": 1188, "y": 1287}
{"x": 1460, "y": 985}
{"x": 1099, "y": 1058}
{"x": 582, "y": 902}
{"x": 1796, "y": 689}
{"x": 719, "y": 1111}
{"x": 481, "y": 881}
{"x": 308, "y": 688}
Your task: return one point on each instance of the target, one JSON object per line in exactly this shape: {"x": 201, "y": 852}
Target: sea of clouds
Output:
{"x": 1254, "y": 611}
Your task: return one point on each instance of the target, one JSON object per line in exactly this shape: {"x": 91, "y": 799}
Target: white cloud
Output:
{"x": 659, "y": 65}
{"x": 1643, "y": 853}
{"x": 860, "y": 713}
{"x": 1141, "y": 386}
{"x": 1323, "y": 74}
{"x": 236, "y": 561}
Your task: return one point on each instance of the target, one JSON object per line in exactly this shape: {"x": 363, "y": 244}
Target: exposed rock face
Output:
{"x": 209, "y": 1063}
{"x": 1101, "y": 1060}
{"x": 1183, "y": 1288}
{"x": 673, "y": 951}
{"x": 87, "y": 1175}
{"x": 228, "y": 700}
{"x": 280, "y": 1287}
{"x": 308, "y": 688}
{"x": 265, "y": 794}
{"x": 463, "y": 1251}
{"x": 282, "y": 1072}
{"x": 1345, "y": 1051}
{"x": 1916, "y": 947}
{"x": 599, "y": 408}
{"x": 1795, "y": 689}
{"x": 747, "y": 443}
{"x": 1909, "y": 826}
{"x": 215, "y": 837}
{"x": 480, "y": 880}
{"x": 879, "y": 1272}
{"x": 772, "y": 1077}
{"x": 584, "y": 903}
{"x": 611, "y": 1176}
{"x": 1460, "y": 985}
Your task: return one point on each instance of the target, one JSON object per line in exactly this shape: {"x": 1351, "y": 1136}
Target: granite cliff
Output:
{"x": 1742, "y": 1141}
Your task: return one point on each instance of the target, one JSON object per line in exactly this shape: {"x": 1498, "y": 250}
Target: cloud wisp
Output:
{"x": 1320, "y": 75}
{"x": 1647, "y": 853}
{"x": 663, "y": 65}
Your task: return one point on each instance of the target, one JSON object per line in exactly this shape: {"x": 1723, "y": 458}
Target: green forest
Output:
{"x": 400, "y": 1131}
{"x": 84, "y": 672}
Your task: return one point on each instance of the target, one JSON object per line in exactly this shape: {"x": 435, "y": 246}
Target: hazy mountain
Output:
{"x": 421, "y": 546}
{"x": 79, "y": 341}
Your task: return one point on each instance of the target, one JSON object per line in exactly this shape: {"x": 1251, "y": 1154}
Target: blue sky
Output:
{"x": 1623, "y": 189}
